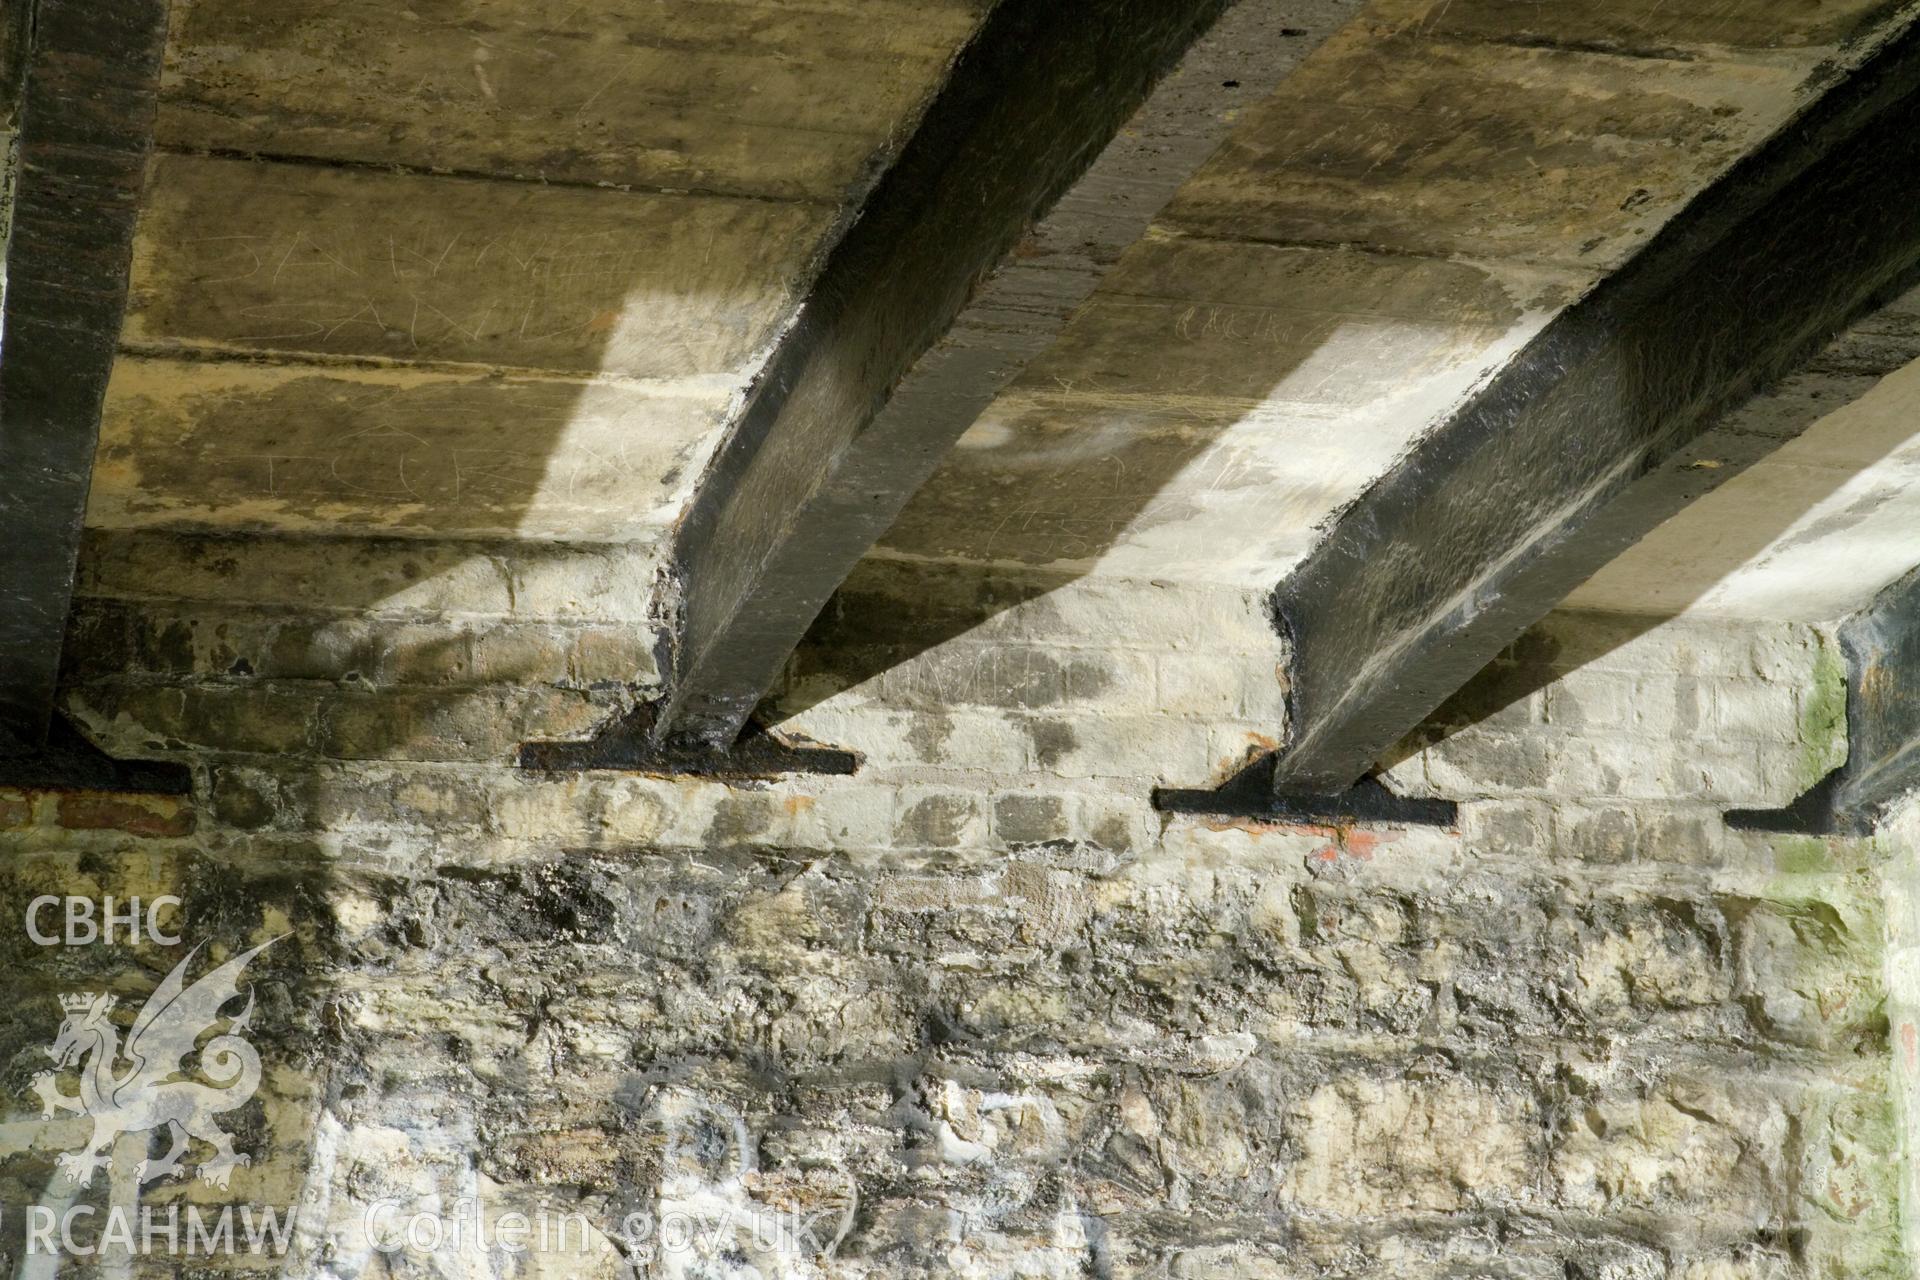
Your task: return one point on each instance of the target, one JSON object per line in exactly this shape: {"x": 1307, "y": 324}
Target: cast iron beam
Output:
{"x": 1882, "y": 648}
{"x": 1593, "y": 434}
{"x": 1062, "y": 130}
{"x": 85, "y": 112}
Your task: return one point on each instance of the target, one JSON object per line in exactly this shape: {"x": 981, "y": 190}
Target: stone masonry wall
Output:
{"x": 977, "y": 1011}
{"x": 1902, "y": 878}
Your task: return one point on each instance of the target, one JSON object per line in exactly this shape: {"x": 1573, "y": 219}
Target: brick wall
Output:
{"x": 979, "y": 1007}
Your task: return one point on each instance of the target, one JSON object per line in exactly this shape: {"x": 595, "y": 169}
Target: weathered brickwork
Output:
{"x": 1592, "y": 704}
{"x": 978, "y": 1010}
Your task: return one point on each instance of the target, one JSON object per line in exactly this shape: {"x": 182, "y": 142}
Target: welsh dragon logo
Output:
{"x": 150, "y": 1090}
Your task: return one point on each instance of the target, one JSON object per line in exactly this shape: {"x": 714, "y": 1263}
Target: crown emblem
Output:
{"x": 80, "y": 1001}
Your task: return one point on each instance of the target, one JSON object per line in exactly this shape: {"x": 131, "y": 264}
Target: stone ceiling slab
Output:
{"x": 1397, "y": 140}
{"x": 1212, "y": 403}
{"x": 240, "y": 446}
{"x": 1809, "y": 533}
{"x": 418, "y": 341}
{"x": 317, "y": 261}
{"x": 1376, "y": 237}
{"x": 1063, "y": 484}
{"x": 785, "y": 100}
{"x": 1249, "y": 322}
{"x": 1645, "y": 28}
{"x": 1206, "y": 414}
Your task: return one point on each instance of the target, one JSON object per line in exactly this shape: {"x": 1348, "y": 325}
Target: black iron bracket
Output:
{"x": 1882, "y": 648}
{"x": 1251, "y": 794}
{"x": 1817, "y": 811}
{"x": 68, "y": 762}
{"x": 627, "y": 744}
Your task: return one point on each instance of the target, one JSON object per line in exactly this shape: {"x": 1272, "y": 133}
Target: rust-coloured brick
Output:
{"x": 135, "y": 815}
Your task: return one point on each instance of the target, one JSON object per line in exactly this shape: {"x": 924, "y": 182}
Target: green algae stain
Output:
{"x": 1822, "y": 731}
{"x": 1802, "y": 855}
